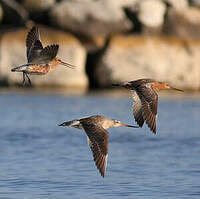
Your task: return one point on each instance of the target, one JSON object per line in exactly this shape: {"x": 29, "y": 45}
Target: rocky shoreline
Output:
{"x": 108, "y": 41}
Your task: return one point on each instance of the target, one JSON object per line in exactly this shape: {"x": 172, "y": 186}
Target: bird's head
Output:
{"x": 163, "y": 85}
{"x": 117, "y": 123}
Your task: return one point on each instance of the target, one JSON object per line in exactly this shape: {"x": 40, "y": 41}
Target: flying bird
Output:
{"x": 95, "y": 128}
{"x": 146, "y": 99}
{"x": 40, "y": 60}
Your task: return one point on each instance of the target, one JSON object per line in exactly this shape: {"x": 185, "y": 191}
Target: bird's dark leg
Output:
{"x": 24, "y": 79}
{"x": 29, "y": 81}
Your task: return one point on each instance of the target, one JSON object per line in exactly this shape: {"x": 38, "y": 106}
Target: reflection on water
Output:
{"x": 41, "y": 160}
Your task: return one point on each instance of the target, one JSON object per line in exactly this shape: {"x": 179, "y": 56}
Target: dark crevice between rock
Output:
{"x": 191, "y": 3}
{"x": 92, "y": 63}
{"x": 168, "y": 4}
{"x": 42, "y": 17}
{"x": 132, "y": 15}
{"x": 16, "y": 14}
{"x": 165, "y": 27}
{"x": 4, "y": 82}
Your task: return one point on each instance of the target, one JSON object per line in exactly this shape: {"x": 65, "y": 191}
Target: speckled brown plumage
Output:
{"x": 40, "y": 60}
{"x": 145, "y": 100}
{"x": 95, "y": 128}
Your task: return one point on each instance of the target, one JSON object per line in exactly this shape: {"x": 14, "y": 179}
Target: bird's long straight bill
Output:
{"x": 176, "y": 89}
{"x": 68, "y": 65}
{"x": 129, "y": 125}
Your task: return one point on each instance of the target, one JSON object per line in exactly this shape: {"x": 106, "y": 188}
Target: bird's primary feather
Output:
{"x": 98, "y": 142}
{"x": 145, "y": 107}
{"x": 46, "y": 55}
{"x": 33, "y": 44}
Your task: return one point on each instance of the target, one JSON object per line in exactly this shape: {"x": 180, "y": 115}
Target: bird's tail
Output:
{"x": 122, "y": 84}
{"x": 67, "y": 64}
{"x": 72, "y": 123}
{"x": 116, "y": 84}
{"x": 20, "y": 68}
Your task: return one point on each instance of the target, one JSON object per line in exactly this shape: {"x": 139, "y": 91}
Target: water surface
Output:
{"x": 38, "y": 159}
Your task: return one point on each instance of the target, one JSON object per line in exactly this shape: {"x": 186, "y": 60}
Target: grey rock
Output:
{"x": 151, "y": 15}
{"x": 195, "y": 3}
{"x": 90, "y": 17}
{"x": 38, "y": 5}
{"x": 71, "y": 51}
{"x": 178, "y": 4}
{"x": 166, "y": 59}
{"x": 183, "y": 23}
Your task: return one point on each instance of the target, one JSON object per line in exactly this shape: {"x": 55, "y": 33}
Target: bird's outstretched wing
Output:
{"x": 46, "y": 55}
{"x": 33, "y": 44}
{"x": 137, "y": 109}
{"x": 98, "y": 142}
{"x": 147, "y": 105}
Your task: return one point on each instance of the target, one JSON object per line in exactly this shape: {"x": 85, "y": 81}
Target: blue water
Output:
{"x": 38, "y": 159}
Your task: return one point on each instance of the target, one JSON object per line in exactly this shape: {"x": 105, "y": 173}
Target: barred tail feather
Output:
{"x": 20, "y": 68}
{"x": 70, "y": 123}
{"x": 116, "y": 84}
{"x": 123, "y": 84}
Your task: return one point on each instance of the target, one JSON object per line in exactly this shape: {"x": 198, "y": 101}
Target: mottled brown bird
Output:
{"x": 95, "y": 128}
{"x": 40, "y": 60}
{"x": 146, "y": 99}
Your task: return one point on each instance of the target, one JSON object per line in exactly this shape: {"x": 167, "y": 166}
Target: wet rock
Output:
{"x": 13, "y": 51}
{"x": 166, "y": 59}
{"x": 39, "y": 5}
{"x": 151, "y": 15}
{"x": 195, "y": 3}
{"x": 183, "y": 23}
{"x": 178, "y": 4}
{"x": 91, "y": 17}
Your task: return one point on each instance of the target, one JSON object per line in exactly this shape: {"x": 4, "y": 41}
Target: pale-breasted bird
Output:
{"x": 145, "y": 99}
{"x": 40, "y": 60}
{"x": 95, "y": 128}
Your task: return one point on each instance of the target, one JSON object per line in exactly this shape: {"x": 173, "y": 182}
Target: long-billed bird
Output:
{"x": 146, "y": 99}
{"x": 95, "y": 128}
{"x": 40, "y": 60}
